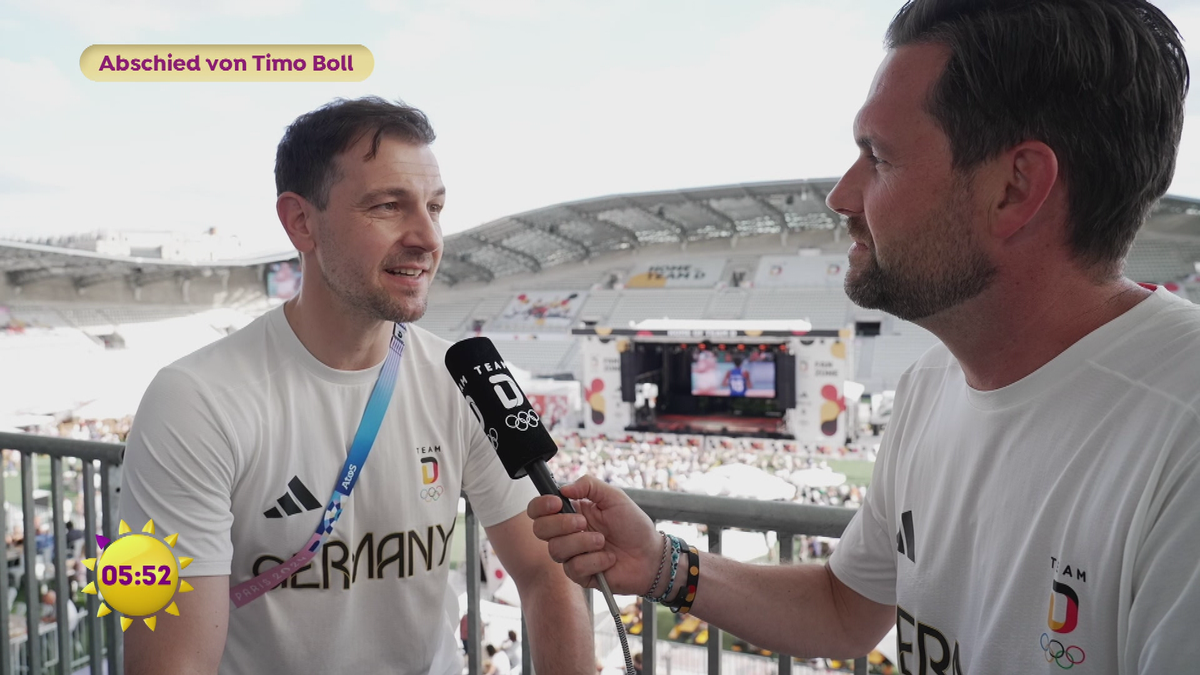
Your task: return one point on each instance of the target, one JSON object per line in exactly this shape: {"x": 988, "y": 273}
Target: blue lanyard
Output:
{"x": 360, "y": 448}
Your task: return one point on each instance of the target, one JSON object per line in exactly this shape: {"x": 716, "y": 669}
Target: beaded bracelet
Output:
{"x": 676, "y": 550}
{"x": 661, "y": 564}
{"x": 687, "y": 595}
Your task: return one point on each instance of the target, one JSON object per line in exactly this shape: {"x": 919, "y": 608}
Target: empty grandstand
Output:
{"x": 741, "y": 252}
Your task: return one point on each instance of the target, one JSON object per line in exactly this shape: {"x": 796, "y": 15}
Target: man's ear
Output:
{"x": 297, "y": 215}
{"x": 1028, "y": 173}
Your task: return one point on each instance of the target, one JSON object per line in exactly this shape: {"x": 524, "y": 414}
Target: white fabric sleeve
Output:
{"x": 1165, "y": 608}
{"x": 865, "y": 557}
{"x": 179, "y": 469}
{"x": 494, "y": 496}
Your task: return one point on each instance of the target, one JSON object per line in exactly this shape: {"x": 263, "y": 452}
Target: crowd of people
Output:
{"x": 669, "y": 464}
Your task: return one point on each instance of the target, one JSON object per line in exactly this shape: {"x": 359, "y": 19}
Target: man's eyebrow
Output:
{"x": 396, "y": 193}
{"x": 871, "y": 144}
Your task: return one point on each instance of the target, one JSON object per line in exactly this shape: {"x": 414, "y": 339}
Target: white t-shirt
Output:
{"x": 501, "y": 662}
{"x": 237, "y": 448}
{"x": 1050, "y": 525}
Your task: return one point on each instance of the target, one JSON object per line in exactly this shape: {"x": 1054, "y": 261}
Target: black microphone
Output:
{"x": 516, "y": 433}
{"x": 509, "y": 421}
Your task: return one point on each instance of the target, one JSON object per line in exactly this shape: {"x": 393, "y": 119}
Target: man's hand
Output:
{"x": 609, "y": 534}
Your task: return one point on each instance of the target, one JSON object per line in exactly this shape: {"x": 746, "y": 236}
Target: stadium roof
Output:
{"x": 25, "y": 263}
{"x": 575, "y": 231}
{"x": 554, "y": 235}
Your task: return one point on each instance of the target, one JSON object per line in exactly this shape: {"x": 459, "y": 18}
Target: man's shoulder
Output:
{"x": 223, "y": 365}
{"x": 1159, "y": 353}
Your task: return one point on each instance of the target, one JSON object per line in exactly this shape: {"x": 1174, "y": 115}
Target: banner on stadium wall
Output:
{"x": 603, "y": 409}
{"x": 556, "y": 402}
{"x": 555, "y": 309}
{"x": 703, "y": 273}
{"x": 822, "y": 367}
{"x": 801, "y": 271}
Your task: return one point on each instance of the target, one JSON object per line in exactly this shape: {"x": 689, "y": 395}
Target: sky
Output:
{"x": 535, "y": 102}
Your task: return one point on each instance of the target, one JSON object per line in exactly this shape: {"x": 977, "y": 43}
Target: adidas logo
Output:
{"x": 307, "y": 500}
{"x": 904, "y": 537}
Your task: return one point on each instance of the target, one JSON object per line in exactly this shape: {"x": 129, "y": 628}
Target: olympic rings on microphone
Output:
{"x": 432, "y": 494}
{"x": 523, "y": 420}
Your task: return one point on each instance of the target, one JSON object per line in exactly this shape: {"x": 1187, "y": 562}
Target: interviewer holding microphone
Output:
{"x": 1035, "y": 506}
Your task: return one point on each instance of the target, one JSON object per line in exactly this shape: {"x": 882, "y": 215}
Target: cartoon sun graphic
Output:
{"x": 137, "y": 575}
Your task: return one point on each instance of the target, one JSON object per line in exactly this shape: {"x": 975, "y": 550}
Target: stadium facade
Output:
{"x": 752, "y": 252}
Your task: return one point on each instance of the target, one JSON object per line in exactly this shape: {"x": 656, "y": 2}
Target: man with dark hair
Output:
{"x": 1036, "y": 502}
{"x": 235, "y": 445}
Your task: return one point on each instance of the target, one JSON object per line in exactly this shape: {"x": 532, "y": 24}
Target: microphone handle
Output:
{"x": 543, "y": 480}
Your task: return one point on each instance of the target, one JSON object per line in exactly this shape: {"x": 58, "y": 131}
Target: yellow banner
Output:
{"x": 227, "y": 63}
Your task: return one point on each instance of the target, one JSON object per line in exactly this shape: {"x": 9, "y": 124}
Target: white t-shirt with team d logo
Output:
{"x": 237, "y": 448}
{"x": 1050, "y": 525}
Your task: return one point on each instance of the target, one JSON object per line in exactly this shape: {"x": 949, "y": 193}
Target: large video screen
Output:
{"x": 283, "y": 279}
{"x": 748, "y": 374}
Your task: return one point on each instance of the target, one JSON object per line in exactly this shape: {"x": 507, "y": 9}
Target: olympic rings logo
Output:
{"x": 523, "y": 420}
{"x": 494, "y": 438}
{"x": 432, "y": 494}
{"x": 1056, "y": 652}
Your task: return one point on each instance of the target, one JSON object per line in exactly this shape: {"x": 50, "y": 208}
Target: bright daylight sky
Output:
{"x": 535, "y": 102}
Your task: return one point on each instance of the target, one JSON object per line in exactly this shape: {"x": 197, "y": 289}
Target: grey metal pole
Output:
{"x": 474, "y": 634}
{"x": 787, "y": 555}
{"x": 714, "y": 633}
{"x": 5, "y": 645}
{"x": 114, "y": 638}
{"x": 61, "y": 591}
{"x": 89, "y": 548}
{"x": 33, "y": 603}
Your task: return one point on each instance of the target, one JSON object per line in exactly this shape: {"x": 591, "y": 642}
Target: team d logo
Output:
{"x": 1063, "y": 619}
{"x": 429, "y": 470}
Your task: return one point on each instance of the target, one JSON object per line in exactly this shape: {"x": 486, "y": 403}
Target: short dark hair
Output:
{"x": 1101, "y": 82}
{"x": 305, "y": 160}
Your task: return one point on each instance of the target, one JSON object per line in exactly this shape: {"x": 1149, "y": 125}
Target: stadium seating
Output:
{"x": 540, "y": 357}
{"x": 825, "y": 308}
{"x": 727, "y": 304}
{"x": 638, "y": 305}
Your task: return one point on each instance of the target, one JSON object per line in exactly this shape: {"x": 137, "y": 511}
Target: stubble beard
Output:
{"x": 354, "y": 287}
{"x": 947, "y": 268}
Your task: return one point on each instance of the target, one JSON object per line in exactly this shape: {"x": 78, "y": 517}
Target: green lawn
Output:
{"x": 858, "y": 472}
{"x": 12, "y": 484}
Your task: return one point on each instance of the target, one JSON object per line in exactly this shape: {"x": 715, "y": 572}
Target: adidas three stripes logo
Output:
{"x": 289, "y": 506}
{"x": 905, "y": 541}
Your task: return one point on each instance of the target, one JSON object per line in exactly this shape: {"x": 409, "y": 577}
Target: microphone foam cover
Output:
{"x": 509, "y": 421}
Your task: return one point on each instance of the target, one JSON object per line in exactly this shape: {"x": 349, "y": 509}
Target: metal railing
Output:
{"x": 102, "y": 458}
{"x": 787, "y": 520}
{"x": 101, "y": 640}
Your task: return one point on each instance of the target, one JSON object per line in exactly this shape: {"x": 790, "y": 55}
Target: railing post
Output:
{"x": 474, "y": 660}
{"x": 714, "y": 633}
{"x": 787, "y": 555}
{"x": 89, "y": 551}
{"x": 526, "y": 656}
{"x": 61, "y": 591}
{"x": 33, "y": 603}
{"x": 109, "y": 475}
{"x": 649, "y": 636}
{"x": 5, "y": 645}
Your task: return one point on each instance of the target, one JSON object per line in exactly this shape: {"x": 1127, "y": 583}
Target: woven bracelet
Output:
{"x": 687, "y": 595}
{"x": 661, "y": 564}
{"x": 676, "y": 551}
